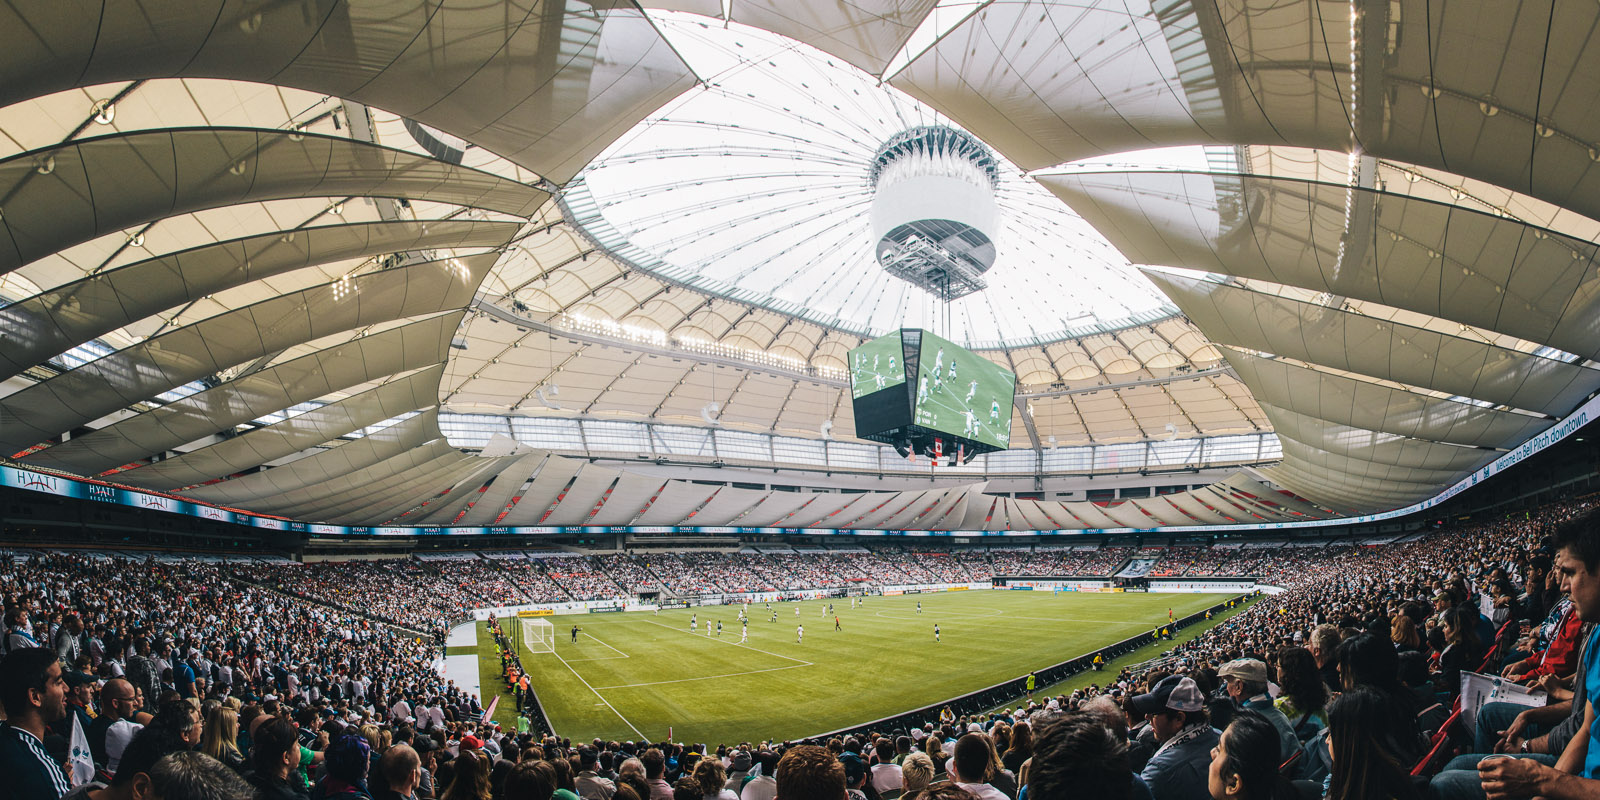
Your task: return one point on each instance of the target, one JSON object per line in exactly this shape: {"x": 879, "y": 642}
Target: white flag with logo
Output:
{"x": 80, "y": 762}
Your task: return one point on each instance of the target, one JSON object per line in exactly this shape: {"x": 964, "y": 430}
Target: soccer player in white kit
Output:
{"x": 799, "y": 633}
{"x": 745, "y": 636}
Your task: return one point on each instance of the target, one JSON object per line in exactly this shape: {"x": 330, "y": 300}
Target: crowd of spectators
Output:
{"x": 266, "y": 683}
{"x": 530, "y": 577}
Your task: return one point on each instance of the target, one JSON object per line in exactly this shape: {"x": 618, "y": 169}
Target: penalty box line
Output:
{"x": 618, "y": 657}
{"x": 599, "y": 695}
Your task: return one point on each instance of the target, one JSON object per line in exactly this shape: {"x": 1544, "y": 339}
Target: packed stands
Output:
{"x": 311, "y": 636}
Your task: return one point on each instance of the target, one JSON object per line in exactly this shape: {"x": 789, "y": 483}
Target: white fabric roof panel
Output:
{"x": 1194, "y": 508}
{"x": 1334, "y": 462}
{"x": 1239, "y": 482}
{"x": 627, "y": 499}
{"x": 43, "y": 326}
{"x": 902, "y": 502}
{"x": 584, "y": 73}
{"x": 320, "y": 468}
{"x": 829, "y": 510}
{"x": 776, "y": 508}
{"x": 1053, "y": 82}
{"x": 729, "y": 503}
{"x": 414, "y": 392}
{"x": 579, "y": 502}
{"x": 928, "y": 519}
{"x": 551, "y": 481}
{"x": 255, "y": 395}
{"x": 676, "y": 501}
{"x": 1359, "y": 404}
{"x": 315, "y": 498}
{"x": 922, "y": 507}
{"x": 403, "y": 492}
{"x": 494, "y": 499}
{"x": 445, "y": 509}
{"x": 1050, "y": 82}
{"x": 1437, "y": 259}
{"x": 1368, "y": 445}
{"x": 72, "y": 193}
{"x": 204, "y": 348}
{"x": 1382, "y": 349}
{"x": 866, "y": 33}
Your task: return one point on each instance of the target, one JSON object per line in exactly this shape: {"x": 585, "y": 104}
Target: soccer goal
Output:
{"x": 538, "y": 635}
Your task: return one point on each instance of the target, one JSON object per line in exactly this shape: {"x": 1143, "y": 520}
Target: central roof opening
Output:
{"x": 766, "y": 185}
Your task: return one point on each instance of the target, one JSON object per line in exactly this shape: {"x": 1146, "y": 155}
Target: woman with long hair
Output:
{"x": 1403, "y": 632}
{"x": 1364, "y": 764}
{"x": 221, "y": 737}
{"x": 1021, "y": 748}
{"x": 1462, "y": 649}
{"x": 471, "y": 781}
{"x": 1304, "y": 696}
{"x": 1244, "y": 764}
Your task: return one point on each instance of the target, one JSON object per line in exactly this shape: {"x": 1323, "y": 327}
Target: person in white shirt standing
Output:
{"x": 886, "y": 775}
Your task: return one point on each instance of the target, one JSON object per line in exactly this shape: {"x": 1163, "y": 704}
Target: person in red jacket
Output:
{"x": 1559, "y": 659}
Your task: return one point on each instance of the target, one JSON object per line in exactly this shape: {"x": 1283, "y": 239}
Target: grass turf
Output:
{"x": 633, "y": 675}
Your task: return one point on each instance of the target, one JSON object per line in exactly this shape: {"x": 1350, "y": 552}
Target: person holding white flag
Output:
{"x": 80, "y": 761}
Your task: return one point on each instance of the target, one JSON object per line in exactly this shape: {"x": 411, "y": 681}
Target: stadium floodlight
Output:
{"x": 538, "y": 635}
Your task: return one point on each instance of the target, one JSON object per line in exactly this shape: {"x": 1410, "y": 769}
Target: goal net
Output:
{"x": 538, "y": 635}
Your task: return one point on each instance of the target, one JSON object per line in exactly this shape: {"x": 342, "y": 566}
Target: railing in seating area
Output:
{"x": 539, "y": 721}
{"x": 1005, "y": 692}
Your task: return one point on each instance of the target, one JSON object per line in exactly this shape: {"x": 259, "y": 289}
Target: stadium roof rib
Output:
{"x": 215, "y": 219}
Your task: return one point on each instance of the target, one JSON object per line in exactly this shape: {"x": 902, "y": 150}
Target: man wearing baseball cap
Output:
{"x": 1179, "y": 769}
{"x": 1246, "y": 679}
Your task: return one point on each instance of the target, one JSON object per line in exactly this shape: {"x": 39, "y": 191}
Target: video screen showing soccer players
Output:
{"x": 877, "y": 365}
{"x": 962, "y": 393}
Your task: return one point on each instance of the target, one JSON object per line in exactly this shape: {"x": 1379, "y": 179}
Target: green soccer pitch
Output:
{"x": 631, "y": 675}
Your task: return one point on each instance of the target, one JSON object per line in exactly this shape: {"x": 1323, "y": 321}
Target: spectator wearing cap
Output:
{"x": 1178, "y": 770}
{"x": 738, "y": 771}
{"x": 34, "y": 695}
{"x": 1246, "y": 680}
{"x": 590, "y": 786}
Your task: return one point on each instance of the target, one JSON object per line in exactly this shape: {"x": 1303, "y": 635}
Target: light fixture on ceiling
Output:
{"x": 546, "y": 392}
{"x": 104, "y": 112}
{"x": 826, "y": 429}
{"x": 710, "y": 411}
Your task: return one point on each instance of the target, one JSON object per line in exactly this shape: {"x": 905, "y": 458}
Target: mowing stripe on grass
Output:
{"x": 599, "y": 695}
{"x": 802, "y": 661}
{"x": 708, "y": 677}
{"x": 619, "y": 653}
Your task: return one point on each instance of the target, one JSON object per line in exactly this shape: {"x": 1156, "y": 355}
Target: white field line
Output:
{"x": 801, "y": 661}
{"x": 602, "y": 697}
{"x": 705, "y": 677}
{"x": 619, "y": 654}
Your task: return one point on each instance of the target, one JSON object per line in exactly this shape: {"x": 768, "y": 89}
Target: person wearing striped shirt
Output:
{"x": 34, "y": 694}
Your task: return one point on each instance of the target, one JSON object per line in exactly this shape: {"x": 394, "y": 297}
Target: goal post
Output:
{"x": 538, "y": 635}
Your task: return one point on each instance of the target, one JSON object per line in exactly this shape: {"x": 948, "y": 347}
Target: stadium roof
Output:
{"x": 317, "y": 232}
